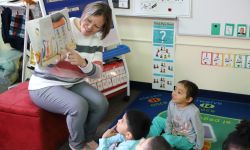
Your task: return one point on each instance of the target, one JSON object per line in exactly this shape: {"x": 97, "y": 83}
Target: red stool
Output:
{"x": 25, "y": 126}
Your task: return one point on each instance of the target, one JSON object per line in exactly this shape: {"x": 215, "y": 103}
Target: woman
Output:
{"x": 83, "y": 105}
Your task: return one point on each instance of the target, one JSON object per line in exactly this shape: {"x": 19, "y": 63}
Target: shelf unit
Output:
{"x": 120, "y": 50}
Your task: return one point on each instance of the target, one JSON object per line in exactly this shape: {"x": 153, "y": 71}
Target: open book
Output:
{"x": 50, "y": 37}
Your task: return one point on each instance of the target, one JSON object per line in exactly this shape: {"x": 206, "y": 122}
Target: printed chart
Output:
{"x": 163, "y": 55}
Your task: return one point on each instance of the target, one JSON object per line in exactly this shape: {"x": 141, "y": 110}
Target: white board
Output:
{"x": 207, "y": 12}
{"x": 153, "y": 8}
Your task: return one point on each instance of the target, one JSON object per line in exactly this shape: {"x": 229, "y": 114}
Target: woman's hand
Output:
{"x": 110, "y": 132}
{"x": 63, "y": 55}
{"x": 75, "y": 59}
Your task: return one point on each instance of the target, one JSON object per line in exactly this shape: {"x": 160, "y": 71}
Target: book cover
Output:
{"x": 50, "y": 37}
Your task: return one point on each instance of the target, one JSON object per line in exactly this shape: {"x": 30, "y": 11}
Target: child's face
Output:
{"x": 122, "y": 125}
{"x": 179, "y": 95}
{"x": 91, "y": 24}
{"x": 143, "y": 144}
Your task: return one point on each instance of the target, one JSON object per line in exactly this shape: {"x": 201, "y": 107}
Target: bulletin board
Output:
{"x": 153, "y": 8}
{"x": 217, "y": 18}
{"x": 75, "y": 10}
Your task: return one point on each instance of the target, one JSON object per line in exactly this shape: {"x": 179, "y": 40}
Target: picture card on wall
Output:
{"x": 228, "y": 60}
{"x": 206, "y": 58}
{"x": 241, "y": 30}
{"x": 215, "y": 29}
{"x": 163, "y": 68}
{"x": 229, "y": 29}
{"x": 239, "y": 61}
{"x": 217, "y": 59}
{"x": 247, "y": 64}
{"x": 163, "y": 83}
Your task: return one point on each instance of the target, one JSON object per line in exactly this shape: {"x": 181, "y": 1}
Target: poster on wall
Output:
{"x": 163, "y": 55}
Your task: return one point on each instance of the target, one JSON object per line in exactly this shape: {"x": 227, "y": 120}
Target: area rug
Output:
{"x": 216, "y": 114}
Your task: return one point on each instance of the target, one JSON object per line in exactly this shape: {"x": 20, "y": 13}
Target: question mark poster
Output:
{"x": 163, "y": 55}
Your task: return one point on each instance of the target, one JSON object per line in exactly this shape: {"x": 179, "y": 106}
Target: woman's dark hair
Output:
{"x": 138, "y": 123}
{"x": 100, "y": 8}
{"x": 239, "y": 138}
{"x": 192, "y": 88}
{"x": 158, "y": 143}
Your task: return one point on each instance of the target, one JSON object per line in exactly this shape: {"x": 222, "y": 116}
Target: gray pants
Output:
{"x": 83, "y": 105}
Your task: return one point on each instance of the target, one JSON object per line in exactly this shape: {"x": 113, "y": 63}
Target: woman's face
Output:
{"x": 91, "y": 24}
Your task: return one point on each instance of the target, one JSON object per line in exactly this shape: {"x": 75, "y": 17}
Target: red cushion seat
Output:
{"x": 25, "y": 126}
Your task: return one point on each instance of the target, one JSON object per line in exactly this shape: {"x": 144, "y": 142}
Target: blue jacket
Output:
{"x": 111, "y": 143}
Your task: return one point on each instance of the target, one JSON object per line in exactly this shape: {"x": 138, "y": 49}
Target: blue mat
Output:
{"x": 153, "y": 102}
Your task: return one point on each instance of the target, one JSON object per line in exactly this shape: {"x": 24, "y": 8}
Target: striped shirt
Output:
{"x": 66, "y": 74}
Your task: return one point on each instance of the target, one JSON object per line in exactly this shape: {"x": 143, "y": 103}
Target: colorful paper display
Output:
{"x": 225, "y": 59}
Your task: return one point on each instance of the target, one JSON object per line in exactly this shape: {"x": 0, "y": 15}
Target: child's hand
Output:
{"x": 109, "y": 132}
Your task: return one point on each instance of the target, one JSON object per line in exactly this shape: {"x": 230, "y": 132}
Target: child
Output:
{"x": 126, "y": 133}
{"x": 183, "y": 127}
{"x": 238, "y": 139}
{"x": 153, "y": 143}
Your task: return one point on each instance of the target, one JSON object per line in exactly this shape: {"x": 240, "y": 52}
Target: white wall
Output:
{"x": 137, "y": 34}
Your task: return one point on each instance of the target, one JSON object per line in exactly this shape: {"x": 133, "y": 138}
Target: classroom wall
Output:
{"x": 137, "y": 34}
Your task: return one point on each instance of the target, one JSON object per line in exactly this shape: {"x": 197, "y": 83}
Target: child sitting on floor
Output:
{"x": 238, "y": 139}
{"x": 126, "y": 134}
{"x": 183, "y": 127}
{"x": 153, "y": 143}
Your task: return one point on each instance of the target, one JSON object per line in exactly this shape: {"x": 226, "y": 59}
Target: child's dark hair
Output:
{"x": 138, "y": 123}
{"x": 192, "y": 88}
{"x": 158, "y": 143}
{"x": 239, "y": 138}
